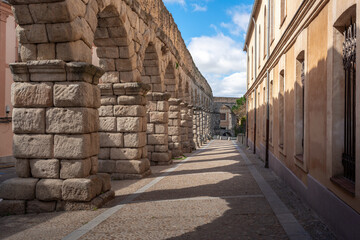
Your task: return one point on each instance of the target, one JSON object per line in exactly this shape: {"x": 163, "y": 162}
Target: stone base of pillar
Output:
{"x": 157, "y": 128}
{"x": 123, "y": 152}
{"x": 174, "y": 138}
{"x": 56, "y": 140}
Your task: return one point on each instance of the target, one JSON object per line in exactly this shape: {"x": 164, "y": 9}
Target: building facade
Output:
{"x": 223, "y": 117}
{"x": 8, "y": 54}
{"x": 302, "y": 116}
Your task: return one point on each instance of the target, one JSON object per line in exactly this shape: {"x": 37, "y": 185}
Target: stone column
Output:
{"x": 195, "y": 128}
{"x": 157, "y": 129}
{"x": 175, "y": 128}
{"x": 201, "y": 126}
{"x": 56, "y": 140}
{"x": 123, "y": 152}
{"x": 184, "y": 128}
{"x": 190, "y": 127}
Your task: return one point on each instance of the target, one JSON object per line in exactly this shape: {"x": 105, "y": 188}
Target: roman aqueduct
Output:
{"x": 75, "y": 124}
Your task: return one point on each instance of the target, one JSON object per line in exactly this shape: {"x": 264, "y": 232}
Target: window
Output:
{"x": 283, "y": 12}
{"x": 259, "y": 51}
{"x": 258, "y": 112}
{"x": 252, "y": 62}
{"x": 349, "y": 60}
{"x": 223, "y": 116}
{"x": 265, "y": 32}
{"x": 299, "y": 106}
{"x": 281, "y": 109}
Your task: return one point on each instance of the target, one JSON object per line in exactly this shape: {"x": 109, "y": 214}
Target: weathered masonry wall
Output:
{"x": 144, "y": 104}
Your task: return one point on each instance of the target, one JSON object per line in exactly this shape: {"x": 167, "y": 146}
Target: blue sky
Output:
{"x": 214, "y": 32}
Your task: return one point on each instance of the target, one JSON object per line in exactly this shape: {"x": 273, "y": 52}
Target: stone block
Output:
{"x": 32, "y": 146}
{"x": 125, "y": 153}
{"x": 10, "y": 207}
{"x": 91, "y": 205}
{"x": 111, "y": 139}
{"x": 129, "y": 111}
{"x": 110, "y": 77}
{"x": 33, "y": 33}
{"x": 46, "y": 51}
{"x": 49, "y": 189}
{"x": 18, "y": 189}
{"x": 72, "y": 120}
{"x": 129, "y": 124}
{"x": 107, "y": 166}
{"x": 134, "y": 140}
{"x": 95, "y": 144}
{"x": 174, "y": 130}
{"x": 106, "y": 111}
{"x": 133, "y": 166}
{"x": 97, "y": 183}
{"x": 28, "y": 52}
{"x": 159, "y": 117}
{"x": 94, "y": 165}
{"x": 161, "y": 148}
{"x": 162, "y": 106}
{"x": 107, "y": 52}
{"x": 107, "y": 64}
{"x": 75, "y": 168}
{"x": 22, "y": 14}
{"x": 106, "y": 181}
{"x": 31, "y": 95}
{"x": 130, "y": 76}
{"x": 160, "y": 157}
{"x": 125, "y": 64}
{"x": 73, "y": 94}
{"x": 55, "y": 11}
{"x": 47, "y": 71}
{"x": 48, "y": 168}
{"x": 132, "y": 100}
{"x": 76, "y": 51}
{"x": 72, "y": 146}
{"x": 22, "y": 168}
{"x": 28, "y": 120}
{"x": 150, "y": 128}
{"x": 20, "y": 72}
{"x": 36, "y": 206}
{"x": 174, "y": 115}
{"x": 104, "y": 153}
{"x": 119, "y": 89}
{"x": 157, "y": 139}
{"x": 107, "y": 124}
{"x": 108, "y": 100}
{"x": 161, "y": 128}
{"x": 80, "y": 189}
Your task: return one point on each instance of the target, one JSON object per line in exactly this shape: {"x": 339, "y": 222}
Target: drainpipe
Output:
{"x": 246, "y": 102}
{"x": 268, "y": 90}
{"x": 255, "y": 81}
{"x": 255, "y": 103}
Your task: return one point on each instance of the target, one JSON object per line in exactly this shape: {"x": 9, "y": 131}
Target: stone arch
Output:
{"x": 157, "y": 108}
{"x": 114, "y": 48}
{"x": 170, "y": 80}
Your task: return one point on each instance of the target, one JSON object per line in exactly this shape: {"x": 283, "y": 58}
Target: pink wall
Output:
{"x": 7, "y": 55}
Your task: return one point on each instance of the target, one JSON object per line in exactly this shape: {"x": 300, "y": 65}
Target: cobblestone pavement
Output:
{"x": 211, "y": 195}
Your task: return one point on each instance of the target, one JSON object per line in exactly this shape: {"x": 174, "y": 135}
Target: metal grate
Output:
{"x": 349, "y": 61}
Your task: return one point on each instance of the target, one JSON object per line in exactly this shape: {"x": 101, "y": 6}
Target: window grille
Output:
{"x": 349, "y": 61}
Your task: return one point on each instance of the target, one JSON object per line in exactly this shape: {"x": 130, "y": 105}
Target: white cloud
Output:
{"x": 198, "y": 8}
{"x": 222, "y": 62}
{"x": 181, "y": 2}
{"x": 240, "y": 16}
{"x": 218, "y": 54}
